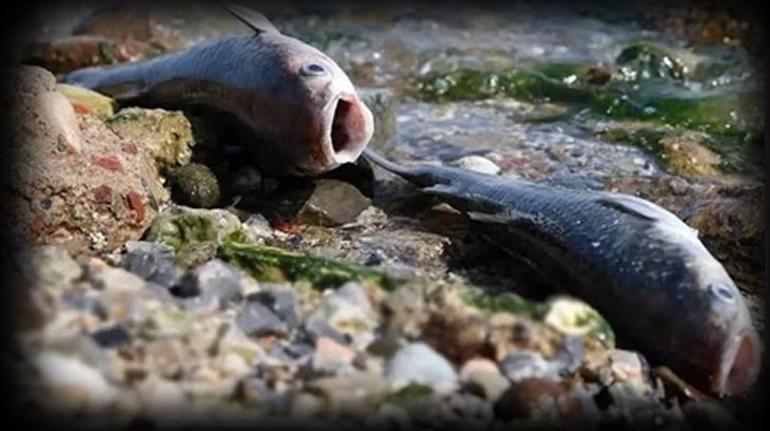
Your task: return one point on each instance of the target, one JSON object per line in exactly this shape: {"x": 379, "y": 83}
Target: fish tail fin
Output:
{"x": 118, "y": 81}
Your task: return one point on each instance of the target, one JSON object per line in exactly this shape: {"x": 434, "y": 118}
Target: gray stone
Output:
{"x": 215, "y": 281}
{"x": 333, "y": 203}
{"x": 312, "y": 328}
{"x": 488, "y": 385}
{"x": 112, "y": 337}
{"x": 570, "y": 355}
{"x": 478, "y": 164}
{"x": 350, "y": 393}
{"x": 257, "y": 320}
{"x": 281, "y": 301}
{"x": 348, "y": 310}
{"x": 528, "y": 364}
{"x": 152, "y": 261}
{"x": 419, "y": 363}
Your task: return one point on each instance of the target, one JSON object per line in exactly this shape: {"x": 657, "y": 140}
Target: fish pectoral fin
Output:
{"x": 255, "y": 20}
{"x": 490, "y": 218}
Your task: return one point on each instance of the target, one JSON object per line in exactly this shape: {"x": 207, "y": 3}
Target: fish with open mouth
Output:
{"x": 638, "y": 264}
{"x": 302, "y": 110}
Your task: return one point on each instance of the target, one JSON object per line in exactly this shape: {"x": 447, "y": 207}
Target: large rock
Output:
{"x": 76, "y": 183}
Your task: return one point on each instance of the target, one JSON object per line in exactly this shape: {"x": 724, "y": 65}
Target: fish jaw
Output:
{"x": 739, "y": 365}
{"x": 348, "y": 127}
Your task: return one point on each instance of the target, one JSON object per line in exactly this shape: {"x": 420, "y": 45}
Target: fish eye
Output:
{"x": 722, "y": 291}
{"x": 313, "y": 69}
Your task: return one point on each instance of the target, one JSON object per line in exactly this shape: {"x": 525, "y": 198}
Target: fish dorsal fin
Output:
{"x": 641, "y": 208}
{"x": 255, "y": 20}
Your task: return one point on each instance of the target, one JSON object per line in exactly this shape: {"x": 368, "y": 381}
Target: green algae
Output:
{"x": 182, "y": 230}
{"x": 266, "y": 263}
{"x": 502, "y": 302}
{"x": 411, "y": 392}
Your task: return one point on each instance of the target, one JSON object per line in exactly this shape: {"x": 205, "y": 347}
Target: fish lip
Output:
{"x": 734, "y": 376}
{"x": 355, "y": 112}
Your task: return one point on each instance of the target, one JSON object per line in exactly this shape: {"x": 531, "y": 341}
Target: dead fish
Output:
{"x": 302, "y": 109}
{"x": 638, "y": 264}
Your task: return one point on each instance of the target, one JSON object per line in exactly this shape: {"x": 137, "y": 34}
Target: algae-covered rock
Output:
{"x": 573, "y": 317}
{"x": 195, "y": 185}
{"x": 167, "y": 135}
{"x": 87, "y": 101}
{"x": 686, "y": 154}
{"x": 333, "y": 203}
{"x": 180, "y": 227}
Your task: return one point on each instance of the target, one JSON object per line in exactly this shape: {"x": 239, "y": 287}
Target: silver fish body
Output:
{"x": 302, "y": 108}
{"x": 638, "y": 264}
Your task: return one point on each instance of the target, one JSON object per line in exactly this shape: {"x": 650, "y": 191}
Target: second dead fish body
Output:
{"x": 302, "y": 109}
{"x": 638, "y": 264}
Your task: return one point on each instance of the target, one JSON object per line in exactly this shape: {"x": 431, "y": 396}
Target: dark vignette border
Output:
{"x": 20, "y": 20}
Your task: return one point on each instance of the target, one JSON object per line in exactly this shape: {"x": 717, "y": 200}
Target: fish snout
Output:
{"x": 350, "y": 126}
{"x": 740, "y": 364}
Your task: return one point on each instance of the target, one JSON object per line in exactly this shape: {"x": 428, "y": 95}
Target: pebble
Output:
{"x": 215, "y": 281}
{"x": 350, "y": 393}
{"x": 281, "y": 301}
{"x": 49, "y": 267}
{"x": 478, "y": 164}
{"x": 331, "y": 356}
{"x": 536, "y": 397}
{"x": 73, "y": 385}
{"x": 488, "y": 385}
{"x": 153, "y": 262}
{"x": 347, "y": 310}
{"x": 628, "y": 366}
{"x": 159, "y": 395}
{"x": 257, "y": 320}
{"x": 389, "y": 416}
{"x": 313, "y": 328}
{"x": 477, "y": 365}
{"x": 527, "y": 364}
{"x": 112, "y": 337}
{"x": 333, "y": 203}
{"x": 419, "y": 363}
{"x": 570, "y": 355}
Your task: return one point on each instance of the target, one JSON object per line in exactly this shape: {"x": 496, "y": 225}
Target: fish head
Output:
{"x": 331, "y": 124}
{"x": 734, "y": 349}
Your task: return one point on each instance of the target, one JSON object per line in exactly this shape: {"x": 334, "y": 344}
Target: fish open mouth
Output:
{"x": 351, "y": 129}
{"x": 741, "y": 365}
